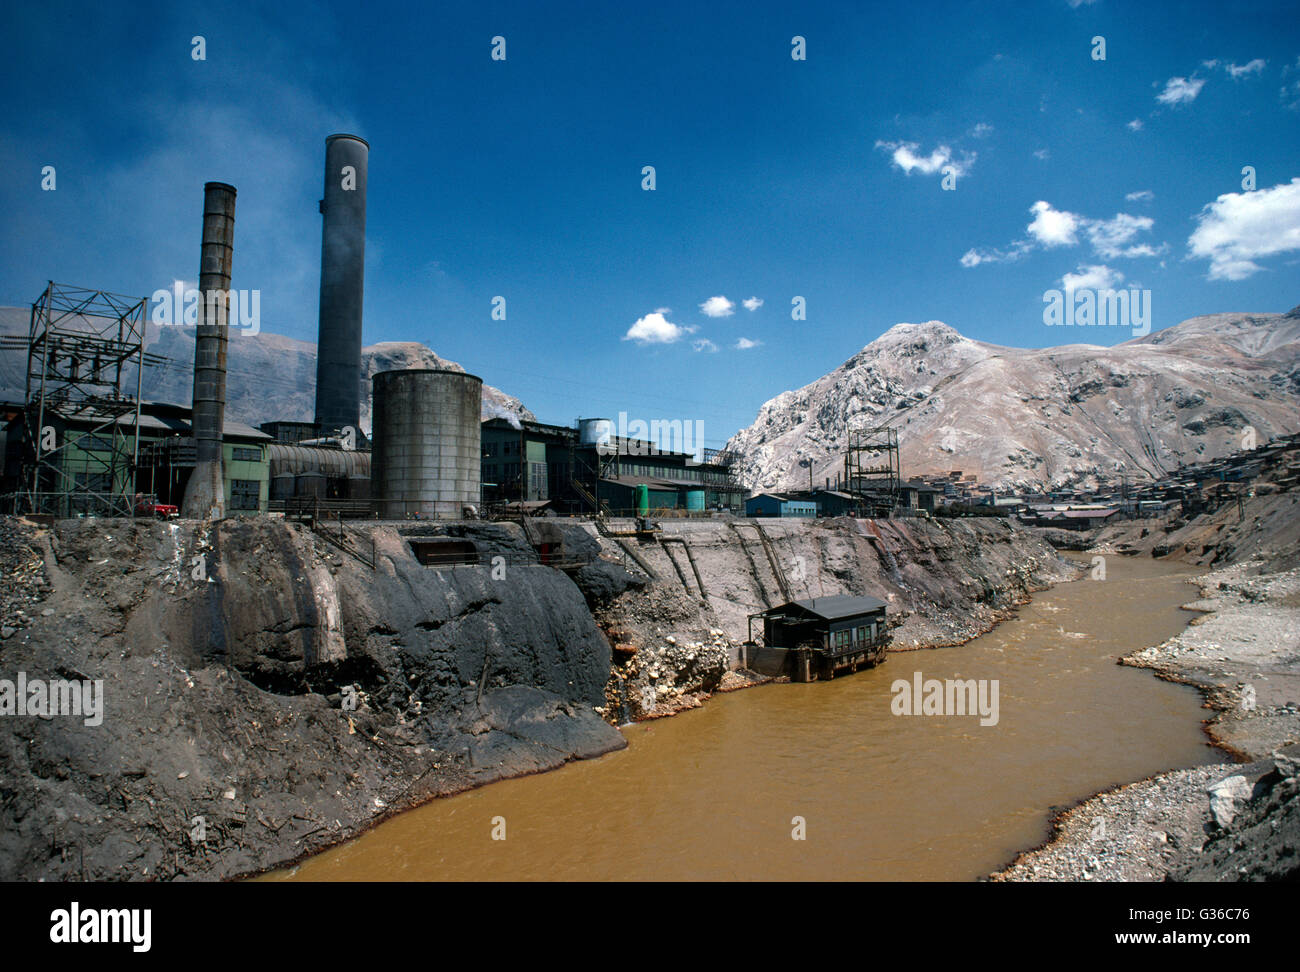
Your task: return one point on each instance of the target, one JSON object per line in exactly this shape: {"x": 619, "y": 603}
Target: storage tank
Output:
{"x": 642, "y": 499}
{"x": 427, "y": 447}
{"x": 359, "y": 487}
{"x": 282, "y": 486}
{"x": 310, "y": 484}
{"x": 595, "y": 431}
{"x": 695, "y": 499}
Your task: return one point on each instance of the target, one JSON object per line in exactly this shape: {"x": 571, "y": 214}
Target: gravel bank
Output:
{"x": 1244, "y": 655}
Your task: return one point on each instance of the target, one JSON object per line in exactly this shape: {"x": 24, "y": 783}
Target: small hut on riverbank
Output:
{"x": 815, "y": 638}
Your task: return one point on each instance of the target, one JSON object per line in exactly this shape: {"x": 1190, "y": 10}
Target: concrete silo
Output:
{"x": 426, "y": 444}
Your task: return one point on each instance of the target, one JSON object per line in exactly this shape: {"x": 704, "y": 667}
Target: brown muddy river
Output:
{"x": 712, "y": 794}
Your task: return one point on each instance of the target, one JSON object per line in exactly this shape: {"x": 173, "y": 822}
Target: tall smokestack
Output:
{"x": 205, "y": 496}
{"x": 342, "y": 283}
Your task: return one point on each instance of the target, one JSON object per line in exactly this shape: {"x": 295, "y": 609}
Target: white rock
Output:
{"x": 1226, "y": 797}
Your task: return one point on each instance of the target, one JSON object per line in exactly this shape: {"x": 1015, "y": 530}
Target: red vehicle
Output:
{"x": 163, "y": 511}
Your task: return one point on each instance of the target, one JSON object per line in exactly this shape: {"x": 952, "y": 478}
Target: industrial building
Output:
{"x": 588, "y": 468}
{"x": 779, "y": 504}
{"x": 82, "y": 477}
{"x": 919, "y": 496}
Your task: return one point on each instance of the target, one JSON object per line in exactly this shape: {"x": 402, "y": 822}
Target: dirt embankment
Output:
{"x": 1231, "y": 821}
{"x": 676, "y": 638}
{"x": 265, "y": 695}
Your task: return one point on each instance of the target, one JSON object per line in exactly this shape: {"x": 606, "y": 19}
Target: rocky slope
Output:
{"x": 270, "y": 376}
{"x": 281, "y": 698}
{"x": 675, "y": 635}
{"x": 1052, "y": 416}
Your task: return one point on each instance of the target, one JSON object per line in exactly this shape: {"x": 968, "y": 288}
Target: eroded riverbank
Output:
{"x": 1231, "y": 820}
{"x": 714, "y": 793}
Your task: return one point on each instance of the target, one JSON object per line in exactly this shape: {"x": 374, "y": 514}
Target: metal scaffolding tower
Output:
{"x": 85, "y": 362}
{"x": 871, "y": 470}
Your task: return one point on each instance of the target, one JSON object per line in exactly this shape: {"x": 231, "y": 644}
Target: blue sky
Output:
{"x": 775, "y": 178}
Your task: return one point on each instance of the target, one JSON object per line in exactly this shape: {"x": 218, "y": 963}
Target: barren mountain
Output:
{"x": 1050, "y": 416}
{"x": 269, "y": 376}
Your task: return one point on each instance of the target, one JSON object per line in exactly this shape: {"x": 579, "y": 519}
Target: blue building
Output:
{"x": 774, "y": 504}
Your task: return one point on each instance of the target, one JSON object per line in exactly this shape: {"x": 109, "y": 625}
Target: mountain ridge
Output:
{"x": 1030, "y": 418}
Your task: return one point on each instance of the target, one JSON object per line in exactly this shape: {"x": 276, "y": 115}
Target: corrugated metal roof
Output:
{"x": 837, "y": 606}
{"x": 292, "y": 459}
{"x": 89, "y": 415}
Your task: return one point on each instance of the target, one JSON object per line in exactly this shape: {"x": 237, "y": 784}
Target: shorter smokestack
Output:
{"x": 205, "y": 495}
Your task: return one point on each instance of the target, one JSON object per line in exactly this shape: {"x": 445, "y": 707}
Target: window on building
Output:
{"x": 246, "y": 454}
{"x": 842, "y": 638}
{"x": 537, "y": 481}
{"x": 245, "y": 494}
{"x": 490, "y": 448}
{"x": 862, "y": 633}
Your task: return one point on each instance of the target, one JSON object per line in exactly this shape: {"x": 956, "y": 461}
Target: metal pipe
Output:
{"x": 205, "y": 495}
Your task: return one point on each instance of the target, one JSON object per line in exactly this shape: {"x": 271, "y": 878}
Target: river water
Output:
{"x": 714, "y": 793}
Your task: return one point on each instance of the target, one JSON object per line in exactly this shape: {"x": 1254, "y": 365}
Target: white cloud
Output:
{"x": 744, "y": 344}
{"x": 1238, "y": 228}
{"x": 752, "y": 303}
{"x": 1142, "y": 195}
{"x": 1052, "y": 227}
{"x": 654, "y": 328}
{"x": 1111, "y": 237}
{"x": 974, "y": 257}
{"x": 703, "y": 344}
{"x": 718, "y": 307}
{"x": 906, "y": 157}
{"x": 1081, "y": 3}
{"x": 1250, "y": 67}
{"x": 1043, "y": 154}
{"x": 1290, "y": 95}
{"x": 1180, "y": 91}
{"x": 1092, "y": 278}
{"x": 981, "y": 130}
{"x": 1135, "y": 125}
